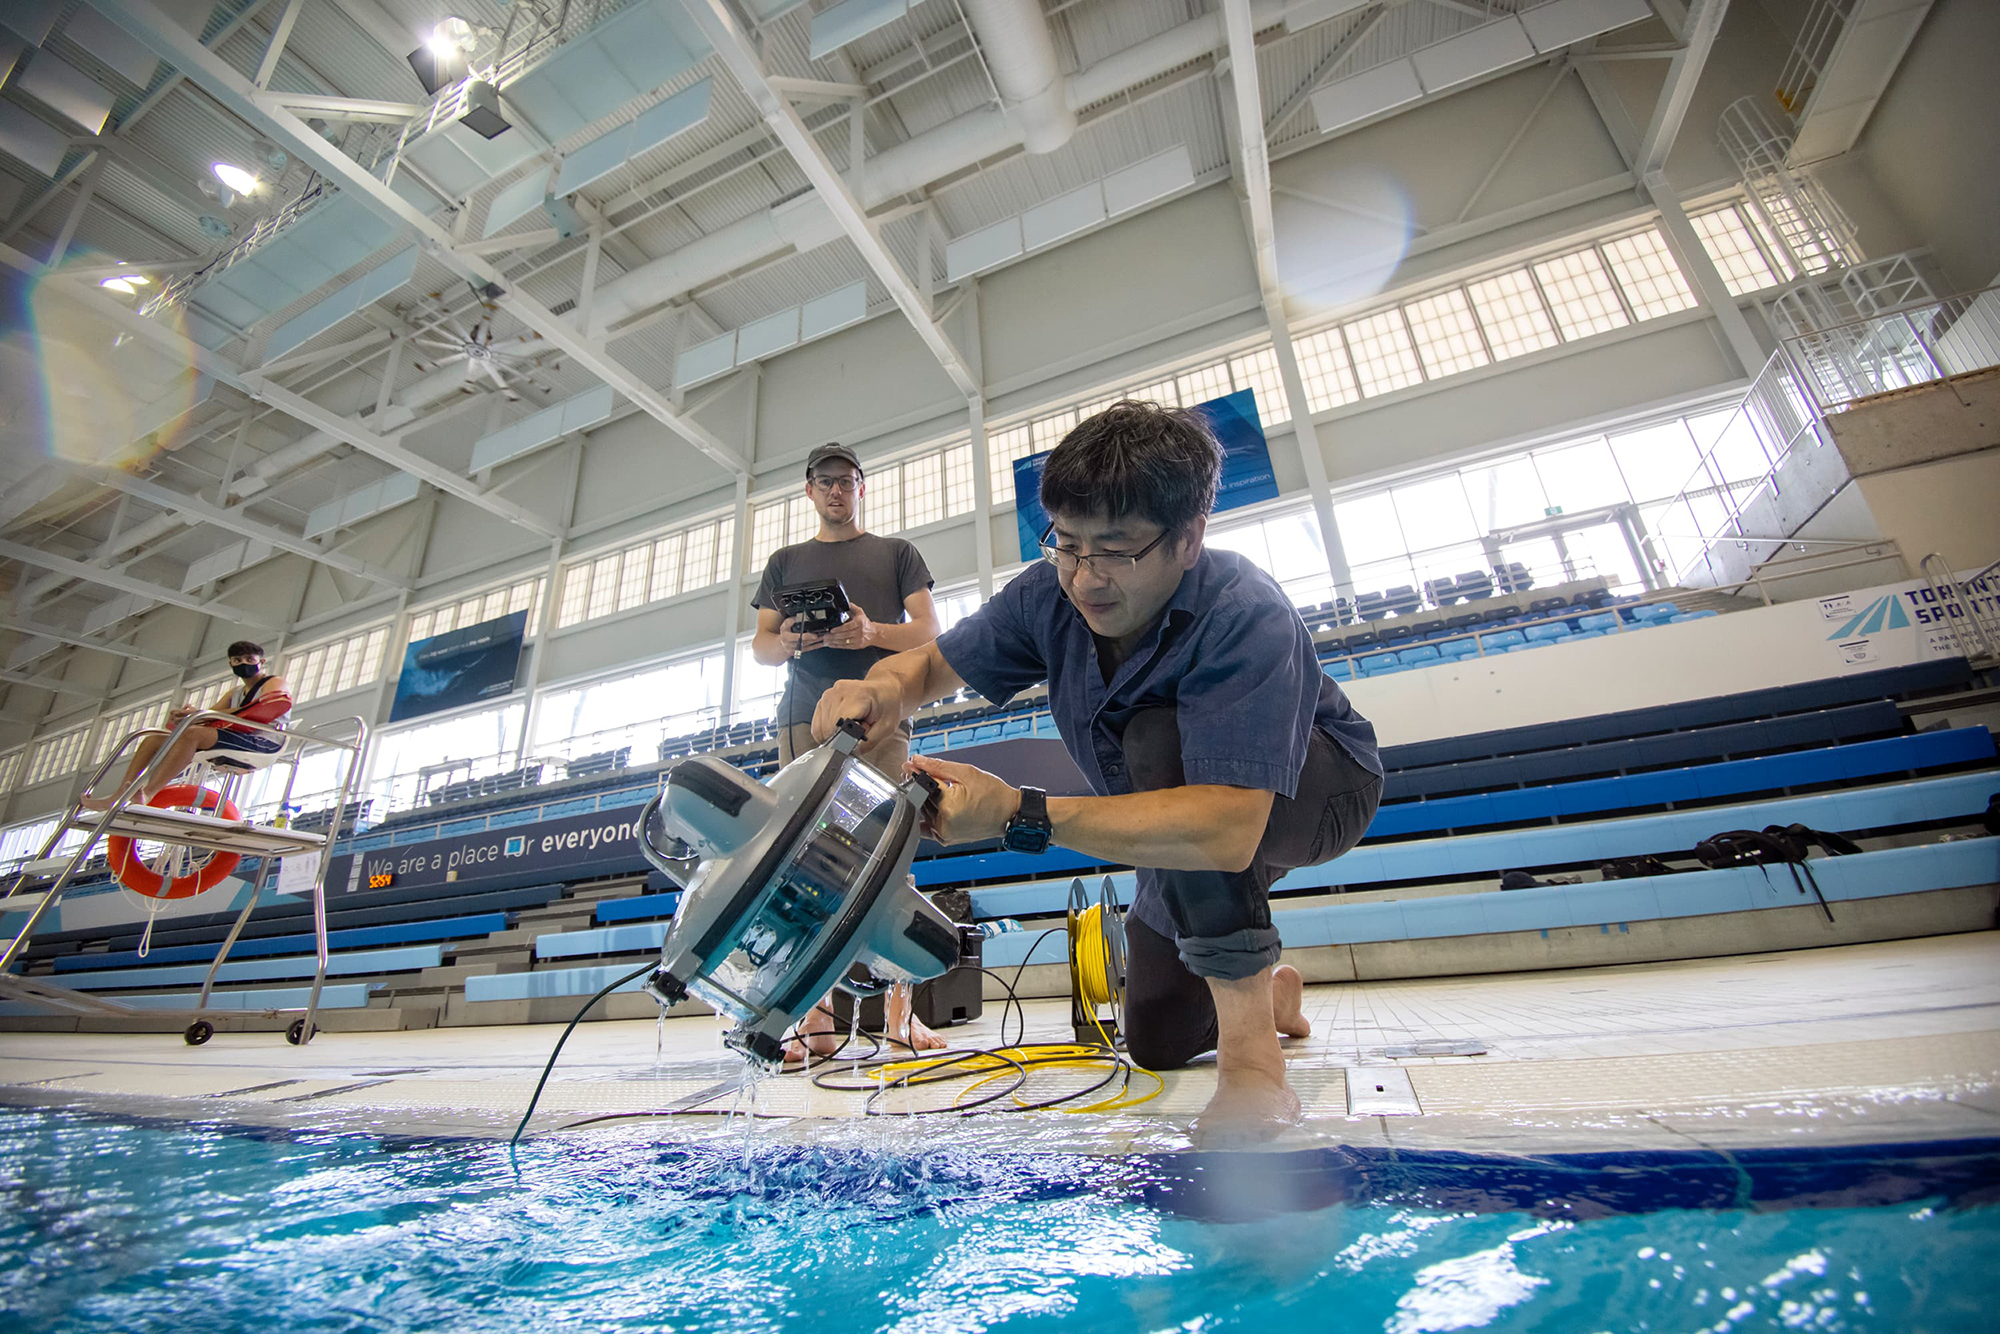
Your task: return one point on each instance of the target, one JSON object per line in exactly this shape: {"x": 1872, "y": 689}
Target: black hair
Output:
{"x": 243, "y": 648}
{"x": 1135, "y": 458}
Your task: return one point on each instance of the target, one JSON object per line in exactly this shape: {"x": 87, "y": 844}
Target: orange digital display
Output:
{"x": 381, "y": 880}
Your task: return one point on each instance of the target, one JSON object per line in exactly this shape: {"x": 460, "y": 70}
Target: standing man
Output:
{"x": 888, "y": 593}
{"x": 888, "y": 590}
{"x": 1186, "y": 689}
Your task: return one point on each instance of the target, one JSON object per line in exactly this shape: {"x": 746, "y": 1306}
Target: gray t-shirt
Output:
{"x": 877, "y": 572}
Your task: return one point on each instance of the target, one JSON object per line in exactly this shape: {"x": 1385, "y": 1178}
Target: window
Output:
{"x": 522, "y": 595}
{"x": 1648, "y": 276}
{"x": 1582, "y": 476}
{"x": 650, "y": 571}
{"x": 1656, "y": 461}
{"x": 1259, "y": 373}
{"x": 958, "y": 480}
{"x": 639, "y": 709}
{"x": 472, "y": 745}
{"x": 1733, "y": 246}
{"x": 1002, "y": 449}
{"x": 57, "y": 756}
{"x": 1510, "y": 310}
{"x": 1323, "y": 366}
{"x": 24, "y": 842}
{"x": 923, "y": 490}
{"x": 1384, "y": 361}
{"x": 115, "y": 728}
{"x": 204, "y": 693}
{"x": 1580, "y": 293}
{"x": 1447, "y": 336}
{"x": 327, "y": 669}
{"x": 1505, "y": 494}
{"x": 10, "y": 769}
{"x": 1199, "y": 386}
{"x": 882, "y": 505}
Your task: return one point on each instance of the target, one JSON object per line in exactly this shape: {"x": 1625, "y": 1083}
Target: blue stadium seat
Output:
{"x": 1692, "y": 616}
{"x": 1378, "y": 664}
{"x": 1600, "y": 621}
{"x": 1555, "y": 630}
{"x": 1502, "y": 640}
{"x": 1341, "y": 669}
{"x": 1413, "y": 657}
{"x": 1465, "y": 646}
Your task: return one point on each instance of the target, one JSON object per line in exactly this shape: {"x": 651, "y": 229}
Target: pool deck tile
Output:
{"x": 1848, "y": 1044}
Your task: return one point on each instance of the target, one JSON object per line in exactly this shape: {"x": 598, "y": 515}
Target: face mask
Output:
{"x": 246, "y": 670}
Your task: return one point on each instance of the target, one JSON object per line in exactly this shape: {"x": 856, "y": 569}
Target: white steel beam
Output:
{"x": 275, "y": 48}
{"x": 47, "y": 683}
{"x": 124, "y": 583}
{"x": 232, "y": 519}
{"x": 257, "y": 386}
{"x": 732, "y": 46}
{"x": 24, "y": 626}
{"x": 1703, "y": 22}
{"x": 347, "y": 108}
{"x": 269, "y": 113}
{"x": 1253, "y": 159}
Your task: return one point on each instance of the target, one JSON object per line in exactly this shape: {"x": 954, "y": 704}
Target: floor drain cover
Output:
{"x": 1381, "y": 1090}
{"x": 1403, "y": 1053}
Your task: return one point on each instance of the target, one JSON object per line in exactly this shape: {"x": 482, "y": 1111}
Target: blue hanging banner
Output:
{"x": 1246, "y": 467}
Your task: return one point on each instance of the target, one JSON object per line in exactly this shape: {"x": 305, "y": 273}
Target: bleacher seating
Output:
{"x": 605, "y": 761}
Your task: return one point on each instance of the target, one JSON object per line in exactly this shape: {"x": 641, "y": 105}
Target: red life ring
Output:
{"x": 135, "y": 875}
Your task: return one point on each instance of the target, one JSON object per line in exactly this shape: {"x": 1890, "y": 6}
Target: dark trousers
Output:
{"x": 1222, "y": 919}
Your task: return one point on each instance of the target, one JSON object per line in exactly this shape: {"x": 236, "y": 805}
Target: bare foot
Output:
{"x": 98, "y": 804}
{"x": 1288, "y": 994}
{"x": 819, "y": 1040}
{"x": 903, "y": 1024}
{"x": 922, "y": 1038}
{"x": 1247, "y": 1109}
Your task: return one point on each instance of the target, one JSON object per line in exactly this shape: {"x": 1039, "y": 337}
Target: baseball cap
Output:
{"x": 832, "y": 451}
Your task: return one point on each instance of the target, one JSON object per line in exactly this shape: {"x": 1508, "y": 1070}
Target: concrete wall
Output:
{"x": 1935, "y": 137}
{"x": 1948, "y": 506}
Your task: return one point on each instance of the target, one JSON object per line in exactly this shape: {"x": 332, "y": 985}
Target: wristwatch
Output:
{"x": 1029, "y": 829}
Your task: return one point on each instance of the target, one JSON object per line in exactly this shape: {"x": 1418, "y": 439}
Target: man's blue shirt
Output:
{"x": 1230, "y": 652}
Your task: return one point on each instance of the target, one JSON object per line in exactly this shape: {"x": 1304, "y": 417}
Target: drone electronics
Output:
{"x": 791, "y": 888}
{"x": 814, "y": 607}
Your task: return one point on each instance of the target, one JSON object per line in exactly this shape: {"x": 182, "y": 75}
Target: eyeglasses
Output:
{"x": 826, "y": 484}
{"x": 1108, "y": 564}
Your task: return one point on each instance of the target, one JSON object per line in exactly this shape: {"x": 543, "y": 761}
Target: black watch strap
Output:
{"x": 1029, "y": 829}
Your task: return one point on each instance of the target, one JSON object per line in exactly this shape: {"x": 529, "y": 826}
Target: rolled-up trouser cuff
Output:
{"x": 1230, "y": 957}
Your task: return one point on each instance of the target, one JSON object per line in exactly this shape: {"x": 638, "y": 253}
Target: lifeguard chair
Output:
{"x": 189, "y": 839}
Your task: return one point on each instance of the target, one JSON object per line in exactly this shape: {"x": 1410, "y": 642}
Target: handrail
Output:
{"x": 1963, "y": 618}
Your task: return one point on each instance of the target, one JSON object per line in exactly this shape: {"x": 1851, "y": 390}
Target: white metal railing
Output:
{"x": 1737, "y": 468}
{"x": 1970, "y": 607}
{"x": 1812, "y": 376}
{"x": 1921, "y": 343}
{"x": 1820, "y": 32}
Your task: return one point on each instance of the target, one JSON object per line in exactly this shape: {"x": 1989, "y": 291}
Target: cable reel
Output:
{"x": 1096, "y": 965}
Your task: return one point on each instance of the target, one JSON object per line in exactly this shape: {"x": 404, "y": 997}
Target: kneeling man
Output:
{"x": 1186, "y": 689}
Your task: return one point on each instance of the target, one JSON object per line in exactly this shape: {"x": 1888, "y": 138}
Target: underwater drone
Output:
{"x": 792, "y": 888}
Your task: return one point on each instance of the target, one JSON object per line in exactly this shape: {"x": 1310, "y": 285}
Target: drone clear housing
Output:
{"x": 840, "y": 851}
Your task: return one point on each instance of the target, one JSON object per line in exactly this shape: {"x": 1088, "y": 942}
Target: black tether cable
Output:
{"x": 549, "y": 1069}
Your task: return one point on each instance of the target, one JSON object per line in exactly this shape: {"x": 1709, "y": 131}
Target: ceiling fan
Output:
{"x": 511, "y": 363}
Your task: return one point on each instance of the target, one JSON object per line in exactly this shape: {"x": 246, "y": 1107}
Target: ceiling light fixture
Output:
{"x": 446, "y": 53}
{"x": 236, "y": 178}
{"x": 127, "y": 284}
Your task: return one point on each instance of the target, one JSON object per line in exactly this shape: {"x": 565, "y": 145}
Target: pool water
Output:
{"x": 133, "y": 1227}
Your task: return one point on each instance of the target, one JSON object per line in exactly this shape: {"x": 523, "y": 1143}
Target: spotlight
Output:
{"x": 445, "y": 53}
{"x": 236, "y": 178}
{"x": 126, "y": 284}
{"x": 452, "y": 39}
